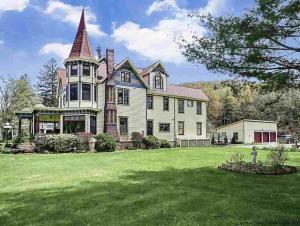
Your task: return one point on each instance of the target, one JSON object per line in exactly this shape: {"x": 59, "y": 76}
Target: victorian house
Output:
{"x": 102, "y": 96}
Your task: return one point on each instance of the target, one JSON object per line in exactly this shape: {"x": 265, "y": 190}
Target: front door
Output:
{"x": 149, "y": 127}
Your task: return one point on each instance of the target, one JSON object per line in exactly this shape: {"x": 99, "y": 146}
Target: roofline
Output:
{"x": 70, "y": 59}
{"x": 154, "y": 66}
{"x": 155, "y": 93}
{"x": 247, "y": 120}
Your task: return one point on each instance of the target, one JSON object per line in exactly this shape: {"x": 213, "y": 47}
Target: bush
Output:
{"x": 137, "y": 139}
{"x": 165, "y": 144}
{"x": 56, "y": 143}
{"x": 277, "y": 156}
{"x": 151, "y": 142}
{"x": 84, "y": 140}
{"x": 105, "y": 142}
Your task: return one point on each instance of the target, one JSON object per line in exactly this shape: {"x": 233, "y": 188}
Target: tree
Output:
{"x": 47, "y": 84}
{"x": 262, "y": 44}
{"x": 15, "y": 95}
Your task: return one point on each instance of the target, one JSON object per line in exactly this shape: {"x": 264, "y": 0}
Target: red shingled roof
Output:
{"x": 181, "y": 91}
{"x": 81, "y": 46}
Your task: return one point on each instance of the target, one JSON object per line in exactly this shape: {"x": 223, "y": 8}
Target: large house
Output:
{"x": 99, "y": 95}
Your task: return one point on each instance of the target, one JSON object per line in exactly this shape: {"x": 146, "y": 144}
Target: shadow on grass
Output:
{"x": 204, "y": 196}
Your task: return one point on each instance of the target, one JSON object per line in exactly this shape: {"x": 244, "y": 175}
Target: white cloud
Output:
{"x": 1, "y": 42}
{"x": 59, "y": 49}
{"x": 13, "y": 5}
{"x": 157, "y": 42}
{"x": 158, "y": 6}
{"x": 71, "y": 14}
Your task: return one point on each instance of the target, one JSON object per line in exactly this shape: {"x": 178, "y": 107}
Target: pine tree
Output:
{"x": 47, "y": 84}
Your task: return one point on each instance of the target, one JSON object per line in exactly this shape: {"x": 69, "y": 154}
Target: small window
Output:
{"x": 86, "y": 70}
{"x": 74, "y": 70}
{"x": 180, "y": 128}
{"x": 180, "y": 106}
{"x": 74, "y": 91}
{"x": 190, "y": 103}
{"x": 164, "y": 127}
{"x": 149, "y": 102}
{"x": 123, "y": 96}
{"x": 86, "y": 92}
{"x": 93, "y": 124}
{"x": 123, "y": 126}
{"x": 125, "y": 77}
{"x": 158, "y": 82}
{"x": 236, "y": 135}
{"x": 199, "y": 108}
{"x": 199, "y": 128}
{"x": 95, "y": 93}
{"x": 166, "y": 103}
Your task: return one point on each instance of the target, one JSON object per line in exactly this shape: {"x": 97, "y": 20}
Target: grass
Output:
{"x": 166, "y": 187}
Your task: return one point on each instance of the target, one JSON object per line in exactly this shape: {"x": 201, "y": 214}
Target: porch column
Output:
{"x": 87, "y": 124}
{"x": 20, "y": 126}
{"x": 61, "y": 125}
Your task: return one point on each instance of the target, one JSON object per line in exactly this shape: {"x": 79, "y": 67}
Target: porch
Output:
{"x": 58, "y": 120}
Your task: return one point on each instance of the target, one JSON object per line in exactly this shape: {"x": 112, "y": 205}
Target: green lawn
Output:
{"x": 165, "y": 187}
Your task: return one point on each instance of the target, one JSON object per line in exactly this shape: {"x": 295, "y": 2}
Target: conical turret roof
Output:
{"x": 81, "y": 46}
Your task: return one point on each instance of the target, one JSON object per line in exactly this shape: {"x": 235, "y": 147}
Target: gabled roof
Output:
{"x": 134, "y": 69}
{"x": 81, "y": 46}
{"x": 182, "y": 92}
{"x": 151, "y": 67}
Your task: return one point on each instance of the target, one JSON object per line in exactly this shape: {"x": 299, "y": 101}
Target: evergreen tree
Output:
{"x": 47, "y": 84}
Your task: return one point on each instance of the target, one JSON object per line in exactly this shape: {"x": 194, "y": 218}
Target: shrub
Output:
{"x": 105, "y": 142}
{"x": 277, "y": 156}
{"x": 151, "y": 142}
{"x": 84, "y": 140}
{"x": 137, "y": 139}
{"x": 237, "y": 157}
{"x": 56, "y": 143}
{"x": 165, "y": 144}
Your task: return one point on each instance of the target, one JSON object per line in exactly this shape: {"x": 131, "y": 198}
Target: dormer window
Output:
{"x": 86, "y": 70}
{"x": 158, "y": 82}
{"x": 74, "y": 68}
{"x": 125, "y": 77}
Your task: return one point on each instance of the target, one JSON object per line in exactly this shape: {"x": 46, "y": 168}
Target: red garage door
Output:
{"x": 266, "y": 137}
{"x": 257, "y": 137}
{"x": 272, "y": 137}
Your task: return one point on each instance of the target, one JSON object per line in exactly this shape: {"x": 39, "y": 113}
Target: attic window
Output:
{"x": 74, "y": 69}
{"x": 158, "y": 82}
{"x": 125, "y": 77}
{"x": 86, "y": 70}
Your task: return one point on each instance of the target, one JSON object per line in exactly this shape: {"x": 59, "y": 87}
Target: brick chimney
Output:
{"x": 110, "y": 113}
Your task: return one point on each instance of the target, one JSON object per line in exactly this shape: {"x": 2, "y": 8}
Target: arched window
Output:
{"x": 158, "y": 82}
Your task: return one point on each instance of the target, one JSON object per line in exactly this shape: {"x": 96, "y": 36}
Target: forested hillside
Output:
{"x": 231, "y": 101}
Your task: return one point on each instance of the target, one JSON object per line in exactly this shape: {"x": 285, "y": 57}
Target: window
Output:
{"x": 149, "y": 127}
{"x": 180, "y": 106}
{"x": 149, "y": 102}
{"x": 166, "y": 103}
{"x": 111, "y": 94}
{"x": 93, "y": 124}
{"x": 180, "y": 128}
{"x": 125, "y": 77}
{"x": 164, "y": 127}
{"x": 86, "y": 92}
{"x": 123, "y": 126}
{"x": 190, "y": 103}
{"x": 86, "y": 70}
{"x": 74, "y": 124}
{"x": 158, "y": 82}
{"x": 74, "y": 69}
{"x": 199, "y": 108}
{"x": 199, "y": 128}
{"x": 67, "y": 92}
{"x": 95, "y": 93}
{"x": 74, "y": 91}
{"x": 123, "y": 96}
{"x": 236, "y": 136}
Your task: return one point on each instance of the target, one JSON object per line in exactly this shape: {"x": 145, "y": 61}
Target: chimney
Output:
{"x": 110, "y": 61}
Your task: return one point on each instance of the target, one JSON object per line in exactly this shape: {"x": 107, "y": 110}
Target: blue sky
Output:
{"x": 32, "y": 31}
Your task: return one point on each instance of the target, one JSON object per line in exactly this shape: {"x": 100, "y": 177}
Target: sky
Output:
{"x": 33, "y": 31}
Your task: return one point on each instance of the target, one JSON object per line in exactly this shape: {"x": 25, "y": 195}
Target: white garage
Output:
{"x": 250, "y": 131}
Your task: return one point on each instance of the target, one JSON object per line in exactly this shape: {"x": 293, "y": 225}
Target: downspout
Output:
{"x": 174, "y": 123}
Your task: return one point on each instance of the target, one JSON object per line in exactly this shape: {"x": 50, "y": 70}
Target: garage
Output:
{"x": 250, "y": 131}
